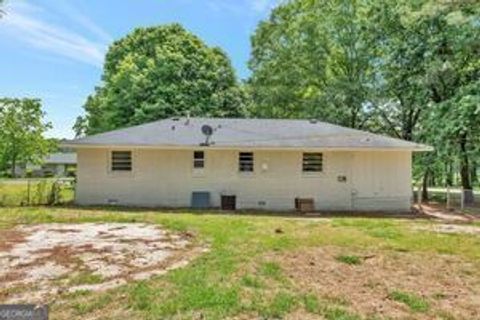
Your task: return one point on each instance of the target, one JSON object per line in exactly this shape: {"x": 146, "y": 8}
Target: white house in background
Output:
{"x": 57, "y": 164}
{"x": 245, "y": 164}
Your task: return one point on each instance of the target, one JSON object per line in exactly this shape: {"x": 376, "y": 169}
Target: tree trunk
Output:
{"x": 449, "y": 174}
{"x": 465, "y": 172}
{"x": 14, "y": 164}
{"x": 464, "y": 163}
{"x": 473, "y": 173}
{"x": 425, "y": 185}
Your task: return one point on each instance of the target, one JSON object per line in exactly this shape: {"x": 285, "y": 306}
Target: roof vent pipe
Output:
{"x": 187, "y": 122}
{"x": 313, "y": 120}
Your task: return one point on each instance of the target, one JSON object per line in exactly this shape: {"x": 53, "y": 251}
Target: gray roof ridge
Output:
{"x": 240, "y": 133}
{"x": 118, "y": 130}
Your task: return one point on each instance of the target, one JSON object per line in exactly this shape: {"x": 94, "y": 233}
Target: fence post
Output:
{"x": 56, "y": 188}
{"x": 462, "y": 198}
{"x": 419, "y": 196}
{"x": 449, "y": 204}
{"x": 28, "y": 192}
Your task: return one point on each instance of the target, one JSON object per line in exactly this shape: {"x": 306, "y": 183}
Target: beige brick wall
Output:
{"x": 375, "y": 180}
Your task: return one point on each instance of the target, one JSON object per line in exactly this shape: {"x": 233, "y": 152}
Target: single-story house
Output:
{"x": 58, "y": 164}
{"x": 245, "y": 164}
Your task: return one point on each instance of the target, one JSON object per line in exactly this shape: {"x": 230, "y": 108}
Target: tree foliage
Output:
{"x": 159, "y": 72}
{"x": 313, "y": 59}
{"x": 21, "y": 137}
{"x": 406, "y": 68}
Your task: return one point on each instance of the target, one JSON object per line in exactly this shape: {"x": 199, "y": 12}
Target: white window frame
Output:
{"x": 199, "y": 160}
{"x": 239, "y": 162}
{"x": 313, "y": 172}
{"x": 121, "y": 173}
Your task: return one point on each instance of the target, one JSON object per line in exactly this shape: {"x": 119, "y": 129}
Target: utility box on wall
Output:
{"x": 200, "y": 200}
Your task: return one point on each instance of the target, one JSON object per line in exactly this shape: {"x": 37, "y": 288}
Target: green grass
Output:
{"x": 84, "y": 278}
{"x": 238, "y": 276}
{"x": 352, "y": 260}
{"x": 414, "y": 302}
{"x": 23, "y": 192}
{"x": 311, "y": 303}
{"x": 271, "y": 269}
{"x": 283, "y": 303}
{"x": 252, "y": 281}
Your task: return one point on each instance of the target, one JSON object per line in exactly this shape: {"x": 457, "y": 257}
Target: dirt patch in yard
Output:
{"x": 448, "y": 285}
{"x": 451, "y": 228}
{"x": 8, "y": 238}
{"x": 40, "y": 261}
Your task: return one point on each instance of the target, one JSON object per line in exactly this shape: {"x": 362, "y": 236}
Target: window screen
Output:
{"x": 312, "y": 162}
{"x": 245, "y": 161}
{"x": 198, "y": 159}
{"x": 121, "y": 161}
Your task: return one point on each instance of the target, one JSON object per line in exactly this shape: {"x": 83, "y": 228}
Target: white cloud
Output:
{"x": 23, "y": 22}
{"x": 83, "y": 20}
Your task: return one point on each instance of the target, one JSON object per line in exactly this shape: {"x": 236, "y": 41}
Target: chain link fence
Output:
{"x": 32, "y": 192}
{"x": 451, "y": 198}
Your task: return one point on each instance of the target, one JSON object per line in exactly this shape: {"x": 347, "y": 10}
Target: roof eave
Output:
{"x": 417, "y": 148}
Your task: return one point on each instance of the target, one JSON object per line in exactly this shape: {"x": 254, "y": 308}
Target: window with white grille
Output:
{"x": 312, "y": 162}
{"x": 245, "y": 162}
{"x": 198, "y": 159}
{"x": 121, "y": 161}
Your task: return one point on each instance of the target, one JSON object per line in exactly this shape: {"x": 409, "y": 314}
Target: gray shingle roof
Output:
{"x": 61, "y": 158}
{"x": 245, "y": 133}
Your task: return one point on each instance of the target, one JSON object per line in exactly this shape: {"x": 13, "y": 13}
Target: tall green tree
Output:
{"x": 406, "y": 68}
{"x": 21, "y": 136}
{"x": 452, "y": 78}
{"x": 159, "y": 72}
{"x": 313, "y": 59}
{"x": 403, "y": 53}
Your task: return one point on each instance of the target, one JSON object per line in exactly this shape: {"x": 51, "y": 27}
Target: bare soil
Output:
{"x": 451, "y": 228}
{"x": 41, "y": 261}
{"x": 449, "y": 284}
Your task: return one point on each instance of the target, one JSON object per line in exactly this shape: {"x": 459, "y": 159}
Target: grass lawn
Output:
{"x": 293, "y": 268}
{"x": 17, "y": 192}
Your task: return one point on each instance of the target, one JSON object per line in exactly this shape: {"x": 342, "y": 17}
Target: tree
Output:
{"x": 313, "y": 59}
{"x": 159, "y": 72}
{"x": 403, "y": 53}
{"x": 21, "y": 137}
{"x": 453, "y": 82}
{"x": 406, "y": 68}
{"x": 430, "y": 69}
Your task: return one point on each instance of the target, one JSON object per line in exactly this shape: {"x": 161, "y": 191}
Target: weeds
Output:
{"x": 352, "y": 260}
{"x": 414, "y": 302}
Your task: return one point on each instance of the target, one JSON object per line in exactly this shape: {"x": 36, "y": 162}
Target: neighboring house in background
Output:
{"x": 57, "y": 164}
{"x": 245, "y": 164}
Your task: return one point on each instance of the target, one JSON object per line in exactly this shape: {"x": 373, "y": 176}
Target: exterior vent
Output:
{"x": 200, "y": 200}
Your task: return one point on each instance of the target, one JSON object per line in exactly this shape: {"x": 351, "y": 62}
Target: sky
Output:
{"x": 54, "y": 49}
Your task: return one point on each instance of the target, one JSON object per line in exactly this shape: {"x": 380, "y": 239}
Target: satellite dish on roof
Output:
{"x": 207, "y": 131}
